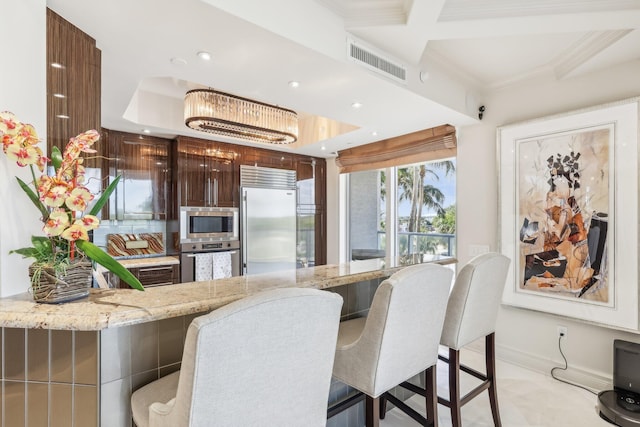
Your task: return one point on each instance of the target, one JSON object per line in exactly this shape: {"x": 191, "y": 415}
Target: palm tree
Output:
{"x": 411, "y": 181}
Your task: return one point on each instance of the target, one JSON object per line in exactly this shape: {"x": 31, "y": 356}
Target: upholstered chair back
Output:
{"x": 402, "y": 330}
{"x": 474, "y": 301}
{"x": 263, "y": 360}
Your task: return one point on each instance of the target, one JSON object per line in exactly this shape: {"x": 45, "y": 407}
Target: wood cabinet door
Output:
{"x": 208, "y": 174}
{"x": 267, "y": 158}
{"x": 144, "y": 167}
{"x": 193, "y": 183}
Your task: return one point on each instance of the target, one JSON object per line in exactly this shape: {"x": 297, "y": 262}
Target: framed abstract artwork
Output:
{"x": 568, "y": 190}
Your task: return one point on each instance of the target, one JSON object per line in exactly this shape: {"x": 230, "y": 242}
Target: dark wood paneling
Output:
{"x": 78, "y": 80}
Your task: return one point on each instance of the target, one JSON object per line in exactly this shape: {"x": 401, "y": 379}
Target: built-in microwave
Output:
{"x": 199, "y": 224}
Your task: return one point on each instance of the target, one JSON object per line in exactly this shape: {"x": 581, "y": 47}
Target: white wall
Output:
{"x": 525, "y": 336}
{"x": 23, "y": 91}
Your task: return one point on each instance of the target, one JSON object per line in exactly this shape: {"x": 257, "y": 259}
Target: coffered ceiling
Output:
{"x": 453, "y": 54}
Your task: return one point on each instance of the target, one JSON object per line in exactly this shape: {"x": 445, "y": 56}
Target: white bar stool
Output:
{"x": 397, "y": 340}
{"x": 264, "y": 360}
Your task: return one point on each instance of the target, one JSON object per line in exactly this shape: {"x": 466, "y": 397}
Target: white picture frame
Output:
{"x": 533, "y": 227}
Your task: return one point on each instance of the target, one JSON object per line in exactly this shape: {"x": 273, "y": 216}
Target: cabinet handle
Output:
{"x": 215, "y": 192}
{"x": 144, "y": 270}
{"x": 208, "y": 198}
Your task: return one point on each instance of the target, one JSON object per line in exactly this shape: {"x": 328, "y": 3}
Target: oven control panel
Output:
{"x": 210, "y": 246}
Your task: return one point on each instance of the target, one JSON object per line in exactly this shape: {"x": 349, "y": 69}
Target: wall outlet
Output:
{"x": 562, "y": 331}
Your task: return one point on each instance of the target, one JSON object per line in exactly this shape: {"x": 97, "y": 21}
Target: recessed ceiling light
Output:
{"x": 323, "y": 148}
{"x": 374, "y": 133}
{"x": 58, "y": 95}
{"x": 146, "y": 131}
{"x": 294, "y": 84}
{"x": 356, "y": 105}
{"x": 62, "y": 116}
{"x": 204, "y": 55}
{"x": 56, "y": 65}
{"x": 178, "y": 61}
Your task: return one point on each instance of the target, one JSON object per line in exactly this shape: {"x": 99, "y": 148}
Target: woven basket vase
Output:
{"x": 73, "y": 284}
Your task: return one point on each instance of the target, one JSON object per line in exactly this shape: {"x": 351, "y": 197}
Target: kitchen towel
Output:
{"x": 204, "y": 266}
{"x": 221, "y": 265}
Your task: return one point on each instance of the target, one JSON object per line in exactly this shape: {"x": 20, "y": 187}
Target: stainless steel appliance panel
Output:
{"x": 204, "y": 224}
{"x": 189, "y": 251}
{"x": 268, "y": 230}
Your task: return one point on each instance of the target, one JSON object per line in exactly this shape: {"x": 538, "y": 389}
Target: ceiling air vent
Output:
{"x": 376, "y": 62}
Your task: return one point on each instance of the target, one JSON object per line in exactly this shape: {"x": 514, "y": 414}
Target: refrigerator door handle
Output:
{"x": 243, "y": 218}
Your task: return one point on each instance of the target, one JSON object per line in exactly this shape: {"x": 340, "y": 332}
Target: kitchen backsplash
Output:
{"x": 135, "y": 244}
{"x": 112, "y": 227}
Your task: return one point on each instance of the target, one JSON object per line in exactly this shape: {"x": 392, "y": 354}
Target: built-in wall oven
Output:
{"x": 198, "y": 260}
{"x": 209, "y": 243}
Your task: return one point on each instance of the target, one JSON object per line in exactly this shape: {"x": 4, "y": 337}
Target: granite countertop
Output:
{"x": 109, "y": 308}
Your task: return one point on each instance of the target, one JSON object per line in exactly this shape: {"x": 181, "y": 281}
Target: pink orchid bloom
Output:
{"x": 78, "y": 198}
{"x": 56, "y": 195}
{"x": 8, "y": 123}
{"x": 23, "y": 156}
{"x": 58, "y": 221}
{"x": 90, "y": 222}
{"x": 76, "y": 232}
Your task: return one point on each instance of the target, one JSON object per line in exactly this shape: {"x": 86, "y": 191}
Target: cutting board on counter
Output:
{"x": 135, "y": 244}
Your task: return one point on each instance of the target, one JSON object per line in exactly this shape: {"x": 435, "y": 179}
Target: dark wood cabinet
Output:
{"x": 311, "y": 217}
{"x": 143, "y": 163}
{"x": 152, "y": 276}
{"x": 267, "y": 158}
{"x": 207, "y": 173}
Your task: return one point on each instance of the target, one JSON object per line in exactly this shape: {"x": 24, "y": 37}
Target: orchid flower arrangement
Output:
{"x": 62, "y": 199}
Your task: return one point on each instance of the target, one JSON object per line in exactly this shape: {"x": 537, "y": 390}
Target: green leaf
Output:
{"x": 26, "y": 252}
{"x": 34, "y": 198}
{"x": 104, "y": 197}
{"x": 107, "y": 261}
{"x": 56, "y": 158}
{"x": 41, "y": 244}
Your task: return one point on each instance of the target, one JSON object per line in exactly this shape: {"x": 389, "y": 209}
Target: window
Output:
{"x": 418, "y": 199}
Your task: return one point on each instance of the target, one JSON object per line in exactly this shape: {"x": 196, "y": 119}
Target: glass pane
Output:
{"x": 426, "y": 208}
{"x": 366, "y": 214}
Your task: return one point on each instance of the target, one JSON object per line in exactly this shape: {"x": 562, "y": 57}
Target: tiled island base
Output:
{"x": 85, "y": 378}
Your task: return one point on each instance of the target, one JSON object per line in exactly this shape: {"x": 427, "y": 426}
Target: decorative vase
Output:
{"x": 71, "y": 284}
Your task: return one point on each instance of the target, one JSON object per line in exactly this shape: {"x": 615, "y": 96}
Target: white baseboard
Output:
{"x": 586, "y": 378}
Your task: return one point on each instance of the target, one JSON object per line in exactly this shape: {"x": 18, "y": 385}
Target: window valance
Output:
{"x": 421, "y": 146}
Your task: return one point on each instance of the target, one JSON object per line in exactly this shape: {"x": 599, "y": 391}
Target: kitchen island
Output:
{"x": 79, "y": 362}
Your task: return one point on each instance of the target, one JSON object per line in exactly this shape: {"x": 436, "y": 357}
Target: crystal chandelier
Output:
{"x": 228, "y": 115}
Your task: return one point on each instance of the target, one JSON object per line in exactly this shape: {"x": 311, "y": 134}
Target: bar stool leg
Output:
{"x": 454, "y": 387}
{"x": 490, "y": 360}
{"x": 383, "y": 406}
{"x": 372, "y": 411}
{"x": 431, "y": 395}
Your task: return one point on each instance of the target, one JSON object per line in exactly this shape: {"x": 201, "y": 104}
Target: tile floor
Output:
{"x": 526, "y": 398}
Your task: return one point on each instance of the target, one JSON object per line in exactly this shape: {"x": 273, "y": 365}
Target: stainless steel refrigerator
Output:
{"x": 268, "y": 218}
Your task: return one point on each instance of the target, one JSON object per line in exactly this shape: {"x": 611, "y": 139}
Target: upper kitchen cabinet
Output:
{"x": 207, "y": 173}
{"x": 143, "y": 163}
{"x": 73, "y": 87}
{"x": 266, "y": 158}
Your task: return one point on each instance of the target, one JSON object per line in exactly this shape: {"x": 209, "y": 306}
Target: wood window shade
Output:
{"x": 422, "y": 146}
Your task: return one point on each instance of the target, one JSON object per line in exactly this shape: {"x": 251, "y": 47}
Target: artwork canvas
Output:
{"x": 568, "y": 189}
{"x": 563, "y": 209}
